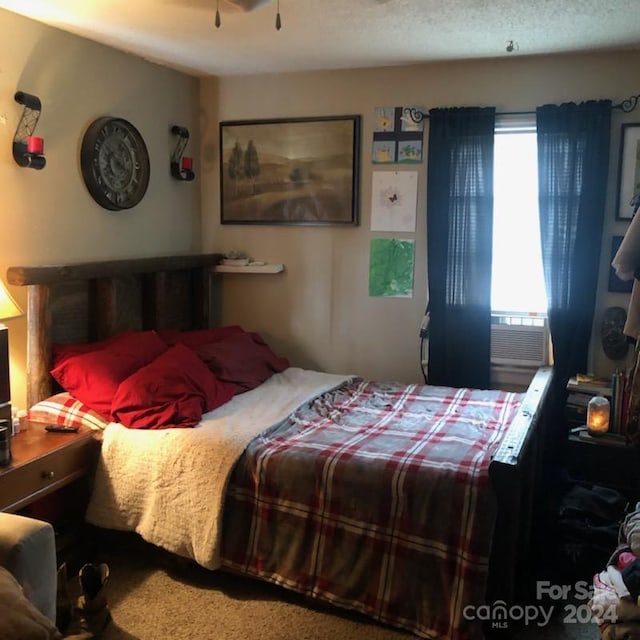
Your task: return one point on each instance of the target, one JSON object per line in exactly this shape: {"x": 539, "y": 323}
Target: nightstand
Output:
{"x": 49, "y": 478}
{"x": 43, "y": 463}
{"x": 610, "y": 465}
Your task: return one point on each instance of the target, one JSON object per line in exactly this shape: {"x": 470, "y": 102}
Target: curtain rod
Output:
{"x": 627, "y": 106}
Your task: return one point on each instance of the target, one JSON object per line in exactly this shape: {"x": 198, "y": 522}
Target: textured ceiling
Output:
{"x": 334, "y": 34}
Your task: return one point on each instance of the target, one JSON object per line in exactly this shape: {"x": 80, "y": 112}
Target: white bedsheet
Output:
{"x": 169, "y": 485}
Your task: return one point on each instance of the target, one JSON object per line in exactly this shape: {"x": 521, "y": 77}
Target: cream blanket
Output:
{"x": 169, "y": 485}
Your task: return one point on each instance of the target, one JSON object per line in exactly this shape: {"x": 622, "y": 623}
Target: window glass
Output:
{"x": 517, "y": 277}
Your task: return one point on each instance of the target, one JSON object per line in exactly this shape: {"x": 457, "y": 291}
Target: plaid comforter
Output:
{"x": 374, "y": 497}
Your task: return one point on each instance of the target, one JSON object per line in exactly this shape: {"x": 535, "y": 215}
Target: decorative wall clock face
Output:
{"x": 115, "y": 163}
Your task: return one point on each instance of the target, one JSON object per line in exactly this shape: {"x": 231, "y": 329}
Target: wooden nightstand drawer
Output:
{"x": 43, "y": 463}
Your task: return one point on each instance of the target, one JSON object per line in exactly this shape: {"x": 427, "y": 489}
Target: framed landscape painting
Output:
{"x": 290, "y": 171}
{"x": 629, "y": 171}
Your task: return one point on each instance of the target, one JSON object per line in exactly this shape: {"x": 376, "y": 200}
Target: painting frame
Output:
{"x": 628, "y": 170}
{"x": 290, "y": 171}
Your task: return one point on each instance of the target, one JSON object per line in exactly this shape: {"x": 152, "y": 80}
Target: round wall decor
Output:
{"x": 614, "y": 342}
{"x": 115, "y": 163}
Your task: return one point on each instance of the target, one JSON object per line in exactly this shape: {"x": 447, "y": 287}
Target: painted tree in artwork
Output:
{"x": 251, "y": 164}
{"x": 235, "y": 168}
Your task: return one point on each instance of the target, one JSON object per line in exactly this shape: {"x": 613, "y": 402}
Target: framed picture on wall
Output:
{"x": 290, "y": 171}
{"x": 617, "y": 284}
{"x": 628, "y": 171}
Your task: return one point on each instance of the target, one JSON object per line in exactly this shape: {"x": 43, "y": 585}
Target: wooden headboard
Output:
{"x": 90, "y": 301}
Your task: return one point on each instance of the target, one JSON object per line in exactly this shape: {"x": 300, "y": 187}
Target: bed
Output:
{"x": 327, "y": 484}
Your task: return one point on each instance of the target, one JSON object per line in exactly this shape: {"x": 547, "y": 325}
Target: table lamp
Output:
{"x": 8, "y": 309}
{"x": 598, "y": 416}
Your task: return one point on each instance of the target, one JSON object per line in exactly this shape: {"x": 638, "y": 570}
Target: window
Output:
{"x": 517, "y": 281}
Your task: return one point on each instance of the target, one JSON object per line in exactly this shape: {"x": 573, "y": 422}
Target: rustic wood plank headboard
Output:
{"x": 89, "y": 301}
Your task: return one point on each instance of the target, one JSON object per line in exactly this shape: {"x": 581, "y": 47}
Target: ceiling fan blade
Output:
{"x": 225, "y": 6}
{"x": 246, "y": 5}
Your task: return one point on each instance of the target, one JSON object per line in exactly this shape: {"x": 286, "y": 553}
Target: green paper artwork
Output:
{"x": 391, "y": 268}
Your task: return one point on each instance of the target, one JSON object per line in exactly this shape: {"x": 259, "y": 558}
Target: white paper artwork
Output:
{"x": 393, "y": 200}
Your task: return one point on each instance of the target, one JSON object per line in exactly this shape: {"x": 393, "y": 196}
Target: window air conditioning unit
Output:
{"x": 519, "y": 345}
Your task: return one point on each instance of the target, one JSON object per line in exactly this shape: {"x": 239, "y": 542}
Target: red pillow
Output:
{"x": 198, "y": 337}
{"x": 60, "y": 351}
{"x": 244, "y": 359}
{"x": 93, "y": 377}
{"x": 172, "y": 391}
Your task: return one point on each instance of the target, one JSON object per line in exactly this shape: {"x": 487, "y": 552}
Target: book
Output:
{"x": 576, "y": 411}
{"x": 589, "y": 378}
{"x": 579, "y": 399}
{"x": 590, "y": 384}
{"x": 617, "y": 386}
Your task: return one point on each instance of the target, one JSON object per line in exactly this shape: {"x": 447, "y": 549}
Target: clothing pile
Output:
{"x": 587, "y": 527}
{"x": 615, "y": 603}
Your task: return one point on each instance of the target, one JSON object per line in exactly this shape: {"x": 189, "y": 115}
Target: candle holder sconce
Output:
{"x": 181, "y": 166}
{"x": 28, "y": 149}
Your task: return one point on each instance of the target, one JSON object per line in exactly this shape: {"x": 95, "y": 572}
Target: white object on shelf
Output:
{"x": 235, "y": 262}
{"x": 249, "y": 268}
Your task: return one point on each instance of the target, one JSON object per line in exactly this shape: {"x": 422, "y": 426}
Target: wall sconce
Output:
{"x": 181, "y": 166}
{"x": 598, "y": 416}
{"x": 8, "y": 309}
{"x": 28, "y": 149}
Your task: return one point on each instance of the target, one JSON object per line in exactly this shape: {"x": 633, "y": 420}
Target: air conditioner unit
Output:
{"x": 519, "y": 345}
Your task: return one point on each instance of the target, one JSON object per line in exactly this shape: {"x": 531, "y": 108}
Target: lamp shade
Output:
{"x": 8, "y": 306}
{"x": 598, "y": 416}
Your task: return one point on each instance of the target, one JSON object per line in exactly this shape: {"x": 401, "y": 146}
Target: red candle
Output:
{"x": 187, "y": 163}
{"x": 35, "y": 145}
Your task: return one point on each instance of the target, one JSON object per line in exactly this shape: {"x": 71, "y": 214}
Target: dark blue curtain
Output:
{"x": 573, "y": 163}
{"x": 459, "y": 245}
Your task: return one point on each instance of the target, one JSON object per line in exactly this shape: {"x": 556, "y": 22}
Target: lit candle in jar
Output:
{"x": 598, "y": 416}
{"x": 187, "y": 163}
{"x": 35, "y": 145}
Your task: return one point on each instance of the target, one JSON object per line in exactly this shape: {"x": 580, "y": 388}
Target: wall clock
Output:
{"x": 115, "y": 163}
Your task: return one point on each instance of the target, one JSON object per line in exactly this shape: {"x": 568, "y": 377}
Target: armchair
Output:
{"x": 28, "y": 554}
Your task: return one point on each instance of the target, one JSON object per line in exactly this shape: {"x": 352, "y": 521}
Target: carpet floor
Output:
{"x": 156, "y": 596}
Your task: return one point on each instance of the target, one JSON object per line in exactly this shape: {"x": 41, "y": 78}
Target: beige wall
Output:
{"x": 48, "y": 216}
{"x": 319, "y": 312}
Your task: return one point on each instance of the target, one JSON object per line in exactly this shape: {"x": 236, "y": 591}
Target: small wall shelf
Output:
{"x": 250, "y": 268}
